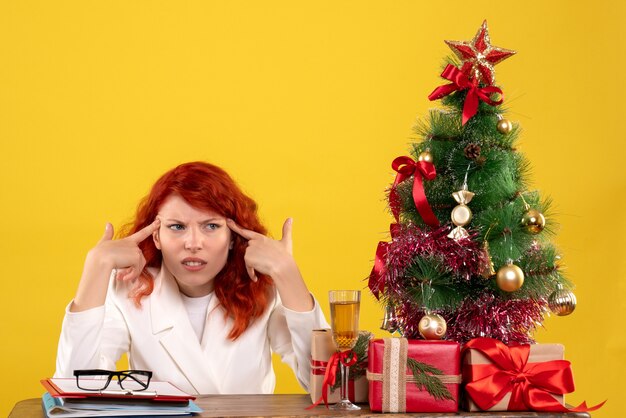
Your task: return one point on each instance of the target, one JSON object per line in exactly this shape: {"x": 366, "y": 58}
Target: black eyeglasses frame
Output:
{"x": 121, "y": 376}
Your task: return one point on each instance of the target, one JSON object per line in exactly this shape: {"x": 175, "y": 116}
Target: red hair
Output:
{"x": 208, "y": 187}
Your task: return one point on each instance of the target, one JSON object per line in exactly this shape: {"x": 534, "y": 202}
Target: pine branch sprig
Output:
{"x": 358, "y": 369}
{"x": 426, "y": 378}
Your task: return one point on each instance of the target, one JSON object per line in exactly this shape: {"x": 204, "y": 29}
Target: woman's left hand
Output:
{"x": 274, "y": 258}
{"x": 265, "y": 255}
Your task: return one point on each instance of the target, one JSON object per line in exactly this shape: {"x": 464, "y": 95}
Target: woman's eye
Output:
{"x": 176, "y": 227}
{"x": 212, "y": 226}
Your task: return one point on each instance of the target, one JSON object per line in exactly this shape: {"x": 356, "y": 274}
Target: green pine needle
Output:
{"x": 425, "y": 376}
{"x": 431, "y": 285}
{"x": 359, "y": 368}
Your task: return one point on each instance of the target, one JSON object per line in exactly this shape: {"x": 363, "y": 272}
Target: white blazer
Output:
{"x": 158, "y": 337}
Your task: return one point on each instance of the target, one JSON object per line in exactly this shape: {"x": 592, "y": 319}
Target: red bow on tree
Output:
{"x": 406, "y": 167}
{"x": 460, "y": 82}
{"x": 376, "y": 281}
{"x": 531, "y": 384}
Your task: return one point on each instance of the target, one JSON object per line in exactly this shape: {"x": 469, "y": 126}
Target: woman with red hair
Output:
{"x": 193, "y": 291}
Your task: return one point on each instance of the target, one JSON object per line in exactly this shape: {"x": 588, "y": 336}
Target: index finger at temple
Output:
{"x": 287, "y": 228}
{"x": 145, "y": 232}
{"x": 245, "y": 233}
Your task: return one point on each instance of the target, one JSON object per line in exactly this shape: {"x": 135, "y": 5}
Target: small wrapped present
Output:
{"x": 519, "y": 378}
{"x": 413, "y": 375}
{"x": 322, "y": 348}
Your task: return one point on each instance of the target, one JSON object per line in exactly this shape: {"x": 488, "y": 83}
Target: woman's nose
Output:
{"x": 193, "y": 240}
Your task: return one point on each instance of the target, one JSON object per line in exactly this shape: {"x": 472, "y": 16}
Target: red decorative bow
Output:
{"x": 406, "y": 167}
{"x": 460, "y": 82}
{"x": 347, "y": 358}
{"x": 531, "y": 384}
{"x": 376, "y": 282}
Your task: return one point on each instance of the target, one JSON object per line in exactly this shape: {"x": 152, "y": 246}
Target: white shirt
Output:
{"x": 158, "y": 336}
{"x": 196, "y": 310}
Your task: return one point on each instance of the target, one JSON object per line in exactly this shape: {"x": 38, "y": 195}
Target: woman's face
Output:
{"x": 194, "y": 244}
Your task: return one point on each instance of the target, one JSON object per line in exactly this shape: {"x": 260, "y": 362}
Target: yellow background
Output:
{"x": 306, "y": 103}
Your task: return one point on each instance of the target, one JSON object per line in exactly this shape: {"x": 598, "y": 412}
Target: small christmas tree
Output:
{"x": 470, "y": 248}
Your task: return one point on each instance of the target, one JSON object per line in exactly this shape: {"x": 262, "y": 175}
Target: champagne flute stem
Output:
{"x": 345, "y": 373}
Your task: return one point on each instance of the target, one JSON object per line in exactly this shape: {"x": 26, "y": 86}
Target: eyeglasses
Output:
{"x": 97, "y": 379}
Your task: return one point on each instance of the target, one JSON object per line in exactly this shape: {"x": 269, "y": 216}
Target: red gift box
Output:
{"x": 517, "y": 378}
{"x": 392, "y": 385}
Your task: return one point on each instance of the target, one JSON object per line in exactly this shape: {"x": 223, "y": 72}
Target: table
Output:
{"x": 290, "y": 406}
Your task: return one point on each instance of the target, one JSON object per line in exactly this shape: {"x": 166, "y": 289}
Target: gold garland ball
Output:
{"x": 562, "y": 302}
{"x": 432, "y": 327}
{"x": 504, "y": 126}
{"x": 533, "y": 221}
{"x": 510, "y": 278}
{"x": 425, "y": 156}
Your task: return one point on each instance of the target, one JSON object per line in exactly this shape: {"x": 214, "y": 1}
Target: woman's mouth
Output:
{"x": 193, "y": 264}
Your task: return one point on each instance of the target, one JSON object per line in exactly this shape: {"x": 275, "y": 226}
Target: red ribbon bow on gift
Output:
{"x": 460, "y": 82}
{"x": 347, "y": 358}
{"x": 376, "y": 281}
{"x": 531, "y": 384}
{"x": 406, "y": 167}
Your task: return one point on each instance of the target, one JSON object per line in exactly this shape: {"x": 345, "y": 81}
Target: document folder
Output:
{"x": 66, "y": 388}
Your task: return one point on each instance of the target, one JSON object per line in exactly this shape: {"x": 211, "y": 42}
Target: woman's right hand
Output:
{"x": 123, "y": 255}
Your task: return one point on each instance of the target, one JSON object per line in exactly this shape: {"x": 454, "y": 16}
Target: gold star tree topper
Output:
{"x": 479, "y": 56}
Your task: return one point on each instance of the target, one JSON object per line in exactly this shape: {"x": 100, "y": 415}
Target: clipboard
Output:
{"x": 158, "y": 391}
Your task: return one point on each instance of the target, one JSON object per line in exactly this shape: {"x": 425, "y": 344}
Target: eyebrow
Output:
{"x": 201, "y": 222}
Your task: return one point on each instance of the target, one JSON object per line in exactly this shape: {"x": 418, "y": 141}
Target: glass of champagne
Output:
{"x": 344, "y": 317}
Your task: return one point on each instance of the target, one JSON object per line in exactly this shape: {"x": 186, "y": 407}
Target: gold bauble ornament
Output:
{"x": 510, "y": 278}
{"x": 425, "y": 156}
{"x": 504, "y": 126}
{"x": 533, "y": 221}
{"x": 432, "y": 327}
{"x": 562, "y": 302}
